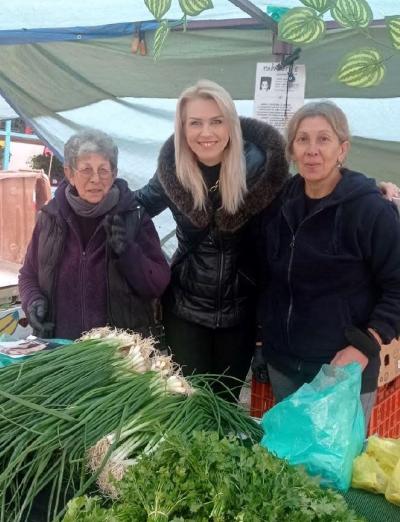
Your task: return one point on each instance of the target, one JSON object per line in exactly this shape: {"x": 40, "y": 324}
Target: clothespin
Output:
{"x": 135, "y": 41}
{"x": 142, "y": 44}
{"x": 288, "y": 61}
{"x": 138, "y": 44}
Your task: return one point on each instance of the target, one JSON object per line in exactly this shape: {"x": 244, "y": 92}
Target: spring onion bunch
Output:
{"x": 198, "y": 410}
{"x": 98, "y": 404}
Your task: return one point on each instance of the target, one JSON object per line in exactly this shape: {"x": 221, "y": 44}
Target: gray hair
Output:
{"x": 326, "y": 109}
{"x": 90, "y": 141}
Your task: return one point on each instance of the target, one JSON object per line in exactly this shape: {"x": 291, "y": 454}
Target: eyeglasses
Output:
{"x": 88, "y": 172}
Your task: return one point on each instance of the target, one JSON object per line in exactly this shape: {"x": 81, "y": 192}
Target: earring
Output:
{"x": 339, "y": 164}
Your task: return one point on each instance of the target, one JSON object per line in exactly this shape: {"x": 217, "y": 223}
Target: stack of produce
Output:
{"x": 99, "y": 403}
{"x": 206, "y": 478}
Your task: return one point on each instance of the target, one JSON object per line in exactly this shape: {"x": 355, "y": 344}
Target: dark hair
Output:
{"x": 267, "y": 79}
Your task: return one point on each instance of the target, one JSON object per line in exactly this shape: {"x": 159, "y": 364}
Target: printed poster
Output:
{"x": 275, "y": 97}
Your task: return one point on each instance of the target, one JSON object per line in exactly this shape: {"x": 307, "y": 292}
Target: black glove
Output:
{"x": 362, "y": 340}
{"x": 116, "y": 233}
{"x": 36, "y": 313}
{"x": 259, "y": 366}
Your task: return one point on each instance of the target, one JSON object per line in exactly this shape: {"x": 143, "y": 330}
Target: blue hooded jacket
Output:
{"x": 334, "y": 267}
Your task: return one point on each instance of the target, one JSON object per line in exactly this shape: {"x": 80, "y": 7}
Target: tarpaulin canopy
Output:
{"x": 65, "y": 65}
{"x": 6, "y": 112}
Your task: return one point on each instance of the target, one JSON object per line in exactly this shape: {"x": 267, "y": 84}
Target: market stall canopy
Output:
{"x": 6, "y": 112}
{"x": 66, "y": 65}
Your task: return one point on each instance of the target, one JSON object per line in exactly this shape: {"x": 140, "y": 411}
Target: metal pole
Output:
{"x": 255, "y": 12}
{"x": 50, "y": 165}
{"x": 7, "y": 145}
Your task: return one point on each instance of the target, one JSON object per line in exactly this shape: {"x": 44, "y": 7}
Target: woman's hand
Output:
{"x": 348, "y": 355}
{"x": 389, "y": 190}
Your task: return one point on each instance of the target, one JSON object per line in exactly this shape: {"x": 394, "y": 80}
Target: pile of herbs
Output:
{"x": 208, "y": 478}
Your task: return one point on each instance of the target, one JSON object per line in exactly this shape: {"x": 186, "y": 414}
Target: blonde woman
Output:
{"x": 214, "y": 174}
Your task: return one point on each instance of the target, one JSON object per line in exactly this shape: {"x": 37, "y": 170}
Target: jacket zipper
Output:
{"x": 221, "y": 260}
{"x": 292, "y": 245}
{"x": 82, "y": 278}
{"x": 221, "y": 265}
{"x": 52, "y": 315}
{"x": 110, "y": 318}
{"x": 83, "y": 270}
{"x": 289, "y": 314}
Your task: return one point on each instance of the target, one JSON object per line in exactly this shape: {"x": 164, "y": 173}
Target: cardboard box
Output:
{"x": 390, "y": 362}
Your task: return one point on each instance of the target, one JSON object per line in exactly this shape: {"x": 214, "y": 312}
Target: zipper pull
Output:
{"x": 292, "y": 243}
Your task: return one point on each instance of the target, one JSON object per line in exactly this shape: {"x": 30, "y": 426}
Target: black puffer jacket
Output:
{"x": 212, "y": 283}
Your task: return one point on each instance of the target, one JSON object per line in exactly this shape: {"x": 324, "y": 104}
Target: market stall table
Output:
{"x": 375, "y": 508}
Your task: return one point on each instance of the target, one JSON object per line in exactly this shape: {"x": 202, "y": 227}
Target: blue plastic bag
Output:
{"x": 320, "y": 426}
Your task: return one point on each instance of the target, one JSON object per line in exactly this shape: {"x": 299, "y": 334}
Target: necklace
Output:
{"x": 214, "y": 187}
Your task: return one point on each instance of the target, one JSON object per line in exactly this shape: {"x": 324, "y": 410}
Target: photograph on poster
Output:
{"x": 265, "y": 83}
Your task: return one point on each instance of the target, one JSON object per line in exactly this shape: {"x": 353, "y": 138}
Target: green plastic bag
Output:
{"x": 320, "y": 426}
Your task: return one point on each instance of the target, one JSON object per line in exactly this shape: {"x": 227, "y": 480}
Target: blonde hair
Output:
{"x": 326, "y": 109}
{"x": 233, "y": 167}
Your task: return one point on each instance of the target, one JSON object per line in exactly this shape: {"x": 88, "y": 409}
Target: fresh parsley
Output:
{"x": 207, "y": 478}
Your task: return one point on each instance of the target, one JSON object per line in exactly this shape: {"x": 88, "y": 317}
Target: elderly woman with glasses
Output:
{"x": 94, "y": 257}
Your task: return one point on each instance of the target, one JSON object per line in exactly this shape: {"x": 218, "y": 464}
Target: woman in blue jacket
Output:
{"x": 330, "y": 251}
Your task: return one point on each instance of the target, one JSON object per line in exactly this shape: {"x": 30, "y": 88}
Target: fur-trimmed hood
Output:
{"x": 265, "y": 177}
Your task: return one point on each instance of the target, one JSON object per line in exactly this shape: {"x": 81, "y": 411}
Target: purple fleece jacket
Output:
{"x": 80, "y": 291}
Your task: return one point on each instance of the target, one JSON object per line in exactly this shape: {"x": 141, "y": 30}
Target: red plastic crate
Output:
{"x": 387, "y": 389}
{"x": 385, "y": 416}
{"x": 261, "y": 398}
